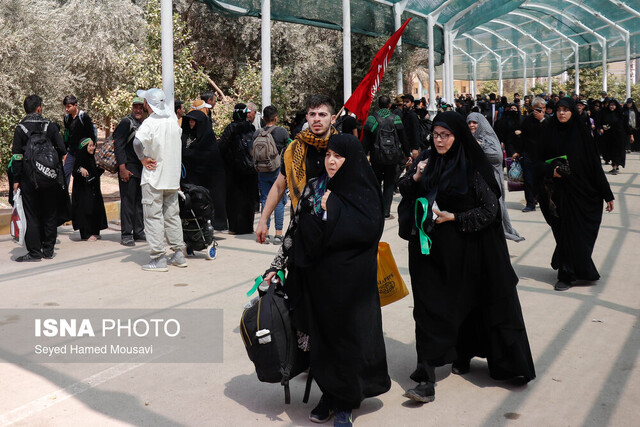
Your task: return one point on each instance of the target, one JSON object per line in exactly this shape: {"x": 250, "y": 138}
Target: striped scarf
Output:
{"x": 294, "y": 161}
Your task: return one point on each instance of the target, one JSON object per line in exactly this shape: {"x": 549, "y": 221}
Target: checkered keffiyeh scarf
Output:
{"x": 294, "y": 161}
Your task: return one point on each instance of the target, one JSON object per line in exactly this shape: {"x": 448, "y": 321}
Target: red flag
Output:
{"x": 361, "y": 98}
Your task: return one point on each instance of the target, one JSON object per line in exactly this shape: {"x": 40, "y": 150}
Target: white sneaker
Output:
{"x": 156, "y": 264}
{"x": 178, "y": 259}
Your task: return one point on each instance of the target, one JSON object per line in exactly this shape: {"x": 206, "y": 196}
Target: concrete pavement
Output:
{"x": 585, "y": 341}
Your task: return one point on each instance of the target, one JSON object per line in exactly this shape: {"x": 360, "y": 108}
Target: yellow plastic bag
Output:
{"x": 391, "y": 286}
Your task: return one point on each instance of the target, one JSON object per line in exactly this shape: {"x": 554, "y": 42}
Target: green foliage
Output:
{"x": 488, "y": 86}
{"x": 8, "y": 122}
{"x": 141, "y": 67}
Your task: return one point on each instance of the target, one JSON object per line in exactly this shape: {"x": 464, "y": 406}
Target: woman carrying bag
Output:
{"x": 330, "y": 253}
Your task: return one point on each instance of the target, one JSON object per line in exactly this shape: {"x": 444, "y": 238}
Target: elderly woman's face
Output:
{"x": 473, "y": 126}
{"x": 332, "y": 162}
{"x": 442, "y": 139}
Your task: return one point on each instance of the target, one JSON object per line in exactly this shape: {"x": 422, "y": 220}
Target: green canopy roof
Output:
{"x": 487, "y": 31}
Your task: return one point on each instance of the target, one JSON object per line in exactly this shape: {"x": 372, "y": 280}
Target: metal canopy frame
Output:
{"x": 590, "y": 28}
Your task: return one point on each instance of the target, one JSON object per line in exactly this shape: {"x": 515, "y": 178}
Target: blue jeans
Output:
{"x": 265, "y": 182}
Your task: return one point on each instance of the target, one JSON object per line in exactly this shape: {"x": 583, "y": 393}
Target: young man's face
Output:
{"x": 320, "y": 119}
{"x": 407, "y": 103}
{"x": 71, "y": 109}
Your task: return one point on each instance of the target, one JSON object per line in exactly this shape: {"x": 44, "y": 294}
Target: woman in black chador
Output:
{"x": 613, "y": 135}
{"x": 465, "y": 298}
{"x": 242, "y": 181}
{"x": 203, "y": 162}
{"x": 87, "y": 207}
{"x": 330, "y": 253}
{"x": 579, "y": 186}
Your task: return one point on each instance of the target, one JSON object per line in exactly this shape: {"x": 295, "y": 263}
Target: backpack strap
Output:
{"x": 307, "y": 388}
{"x": 271, "y": 129}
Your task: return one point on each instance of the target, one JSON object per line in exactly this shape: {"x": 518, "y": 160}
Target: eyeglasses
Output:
{"x": 440, "y": 136}
{"x": 538, "y": 110}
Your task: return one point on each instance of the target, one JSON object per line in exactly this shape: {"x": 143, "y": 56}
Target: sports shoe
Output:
{"x": 277, "y": 240}
{"x": 267, "y": 240}
{"x": 156, "y": 264}
{"x": 561, "y": 286}
{"x": 529, "y": 209}
{"x": 424, "y": 392}
{"x": 343, "y": 419}
{"x": 178, "y": 259}
{"x": 140, "y": 238}
{"x": 127, "y": 241}
{"x": 28, "y": 258}
{"x": 322, "y": 412}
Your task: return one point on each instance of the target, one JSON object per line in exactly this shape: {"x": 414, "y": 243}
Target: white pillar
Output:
{"x": 549, "y": 72}
{"x": 452, "y": 90}
{"x": 346, "y": 48}
{"x": 398, "y": 23}
{"x": 627, "y": 64}
{"x": 500, "y": 85}
{"x": 524, "y": 72}
{"x": 266, "y": 52}
{"x": 432, "y": 67}
{"x": 475, "y": 78}
{"x": 604, "y": 65}
{"x": 166, "y": 39}
{"x": 577, "y": 73}
{"x": 445, "y": 64}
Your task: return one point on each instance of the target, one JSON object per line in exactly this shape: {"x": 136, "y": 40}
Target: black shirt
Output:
{"x": 79, "y": 128}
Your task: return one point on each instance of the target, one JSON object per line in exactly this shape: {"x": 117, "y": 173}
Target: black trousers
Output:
{"x": 386, "y": 175}
{"x": 41, "y": 209}
{"x": 527, "y": 171}
{"x": 131, "y": 216}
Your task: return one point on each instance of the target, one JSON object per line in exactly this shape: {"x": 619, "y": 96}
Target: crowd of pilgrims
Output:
{"x": 465, "y": 299}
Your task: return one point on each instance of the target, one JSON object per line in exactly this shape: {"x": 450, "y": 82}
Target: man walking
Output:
{"x": 303, "y": 159}
{"x": 384, "y": 138}
{"x": 41, "y": 185}
{"x": 78, "y": 126}
{"x": 129, "y": 174}
{"x": 529, "y": 131}
{"x": 158, "y": 146}
{"x": 267, "y": 178}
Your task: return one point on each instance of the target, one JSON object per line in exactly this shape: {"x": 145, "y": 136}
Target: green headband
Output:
{"x": 83, "y": 143}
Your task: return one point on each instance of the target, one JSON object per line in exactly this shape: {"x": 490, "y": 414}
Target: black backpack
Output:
{"x": 425, "y": 129}
{"x": 242, "y": 158}
{"x": 272, "y": 342}
{"x": 386, "y": 148}
{"x": 41, "y": 160}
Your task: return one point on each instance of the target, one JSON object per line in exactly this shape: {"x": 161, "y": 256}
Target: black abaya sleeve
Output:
{"x": 484, "y": 214}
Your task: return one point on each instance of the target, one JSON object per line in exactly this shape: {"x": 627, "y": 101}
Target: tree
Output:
{"x": 42, "y": 53}
{"x": 140, "y": 66}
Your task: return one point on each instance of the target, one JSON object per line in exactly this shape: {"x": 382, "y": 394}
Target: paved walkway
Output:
{"x": 585, "y": 341}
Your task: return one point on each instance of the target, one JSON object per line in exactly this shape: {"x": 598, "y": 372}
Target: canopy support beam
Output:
{"x": 265, "y": 36}
{"x": 601, "y": 39}
{"x": 623, "y": 31}
{"x": 166, "y": 40}
{"x": 432, "y": 108}
{"x": 398, "y": 8}
{"x": 346, "y": 49}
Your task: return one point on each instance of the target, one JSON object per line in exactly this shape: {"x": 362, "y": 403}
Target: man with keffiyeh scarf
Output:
{"x": 303, "y": 159}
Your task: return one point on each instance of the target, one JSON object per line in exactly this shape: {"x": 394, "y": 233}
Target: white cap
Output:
{"x": 156, "y": 100}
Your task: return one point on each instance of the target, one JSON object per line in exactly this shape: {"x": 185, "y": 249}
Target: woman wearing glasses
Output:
{"x": 464, "y": 288}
